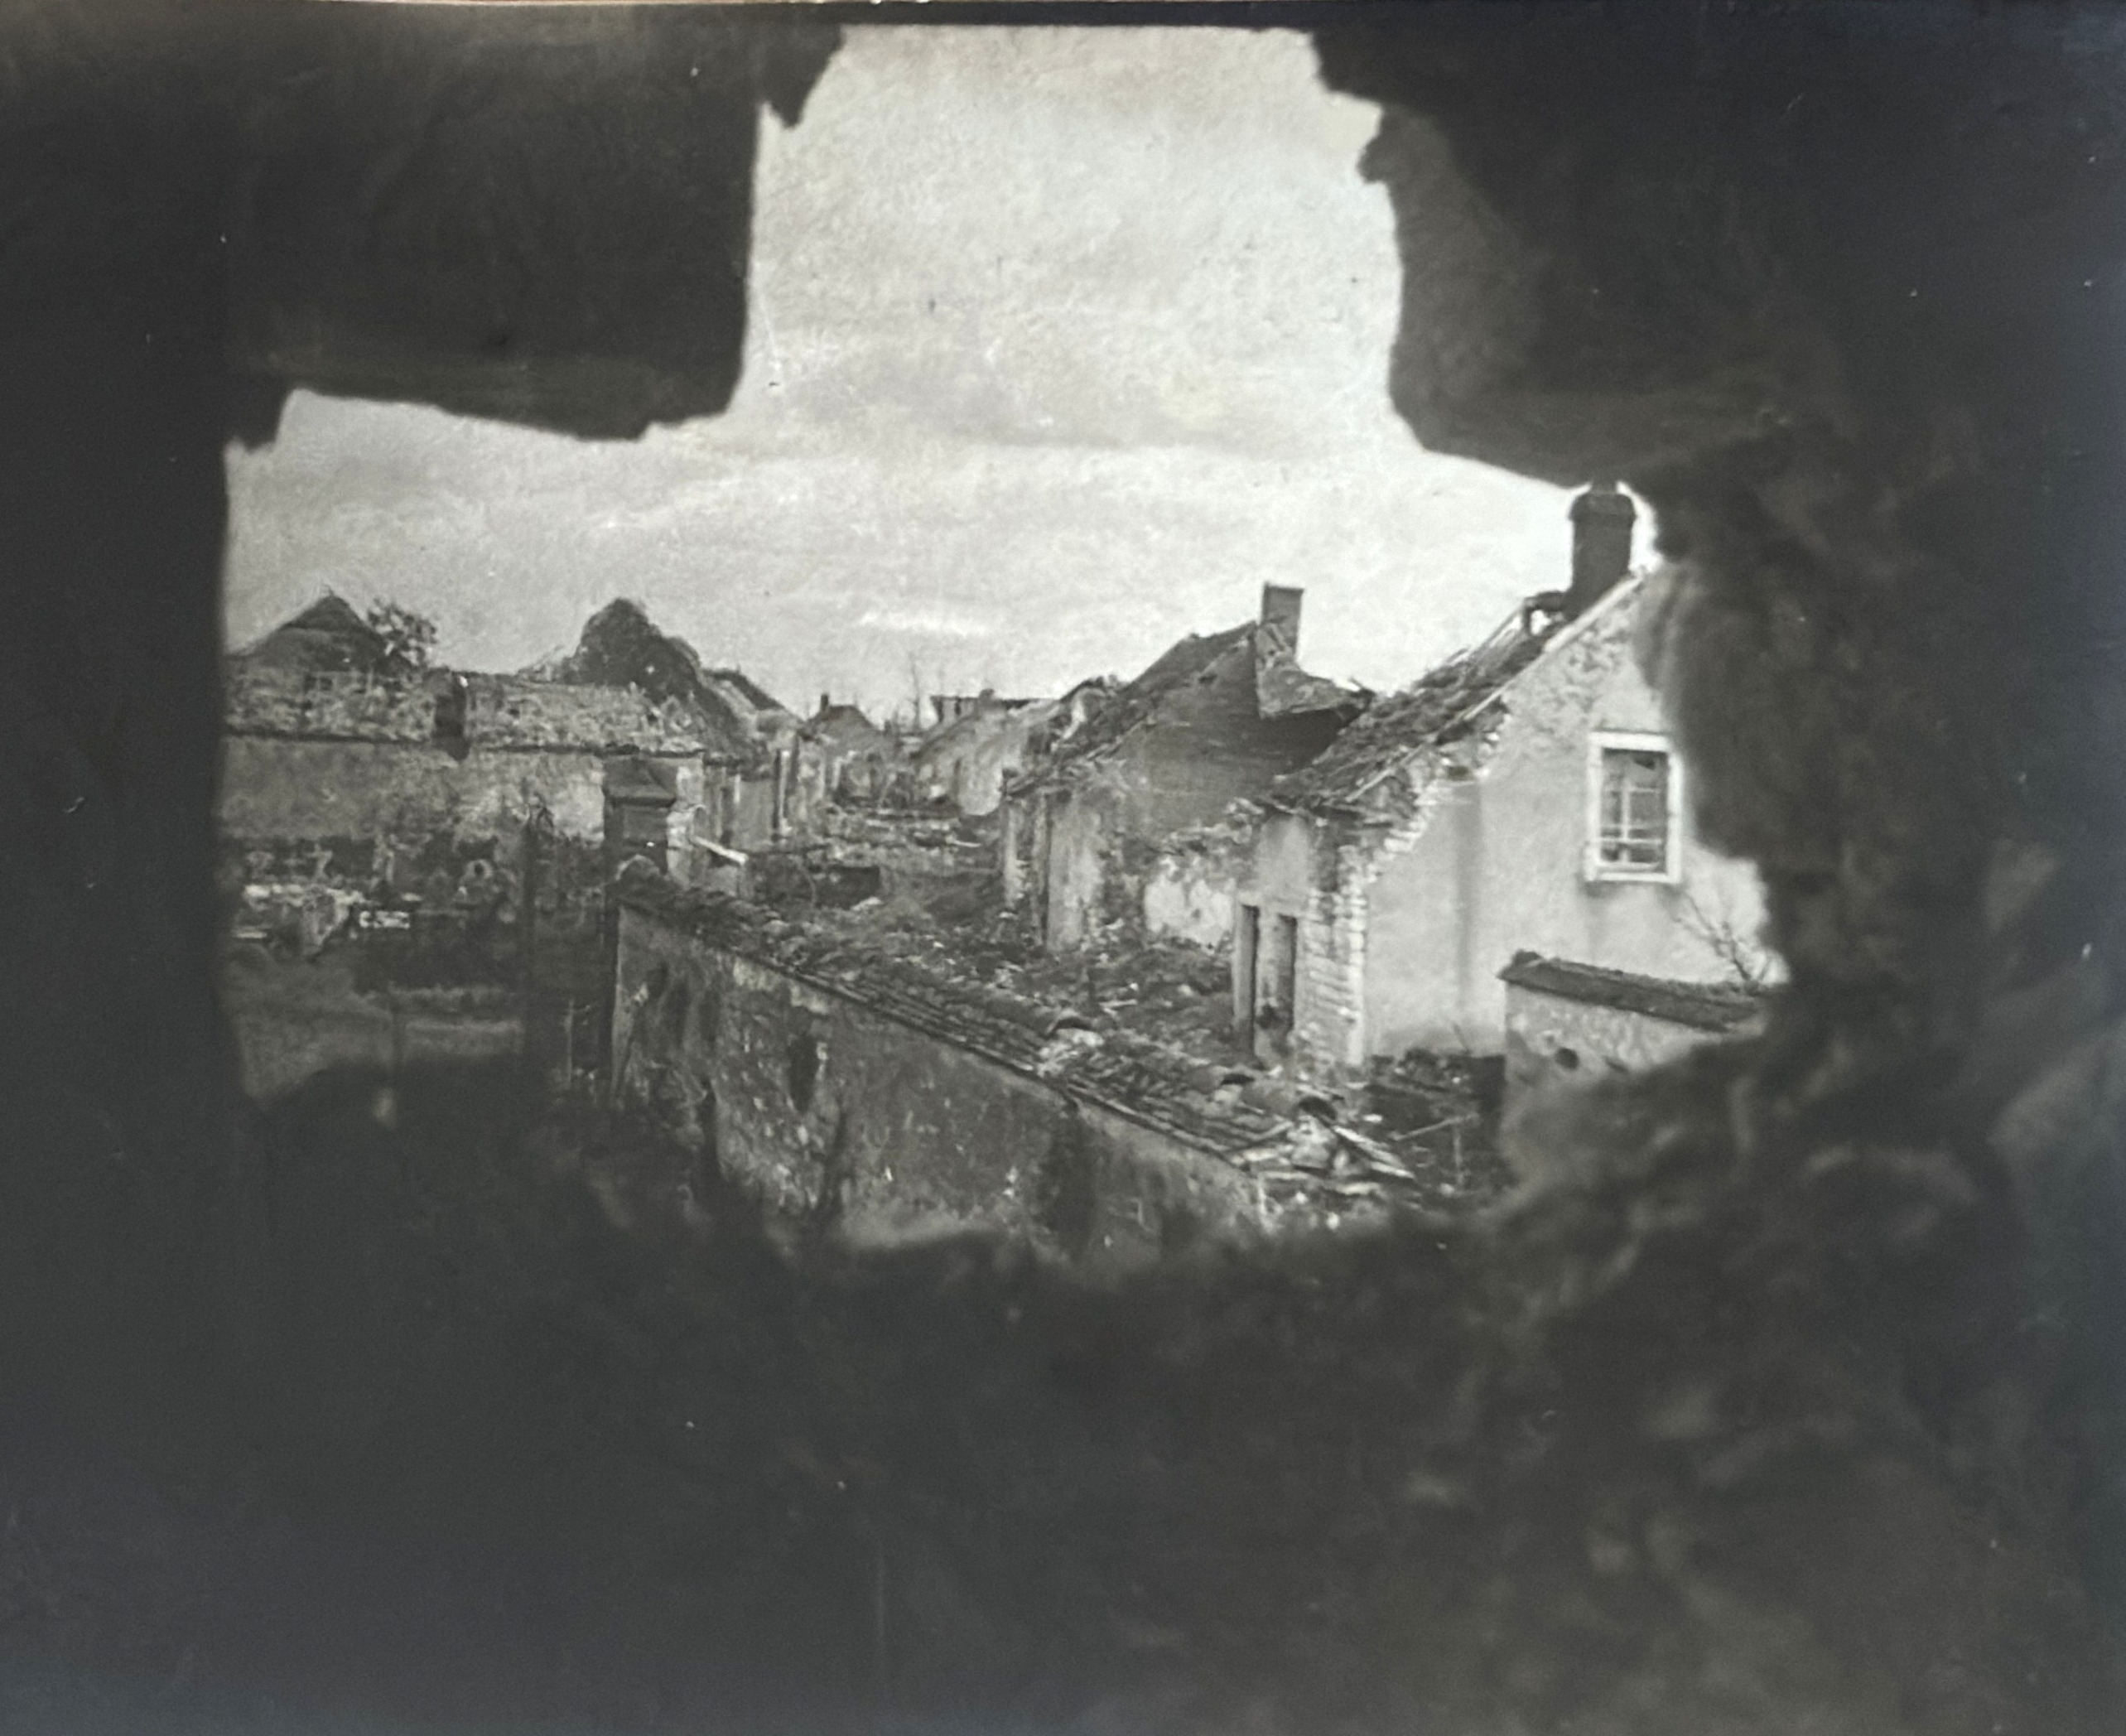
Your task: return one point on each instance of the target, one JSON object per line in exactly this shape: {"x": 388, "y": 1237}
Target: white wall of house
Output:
{"x": 1404, "y": 930}
{"x": 1503, "y": 866}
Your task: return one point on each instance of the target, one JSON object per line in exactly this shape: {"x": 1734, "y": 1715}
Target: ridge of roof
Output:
{"x": 748, "y": 688}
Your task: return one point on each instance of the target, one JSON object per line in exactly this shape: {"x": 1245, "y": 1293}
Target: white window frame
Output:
{"x": 1593, "y": 868}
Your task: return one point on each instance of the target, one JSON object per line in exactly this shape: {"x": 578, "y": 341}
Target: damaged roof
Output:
{"x": 1710, "y": 1006}
{"x": 1163, "y": 1088}
{"x": 747, "y": 689}
{"x": 1282, "y": 689}
{"x": 1440, "y": 707}
{"x": 328, "y": 635}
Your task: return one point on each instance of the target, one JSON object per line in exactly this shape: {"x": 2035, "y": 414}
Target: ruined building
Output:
{"x": 856, "y": 757}
{"x": 1524, "y": 795}
{"x": 335, "y": 759}
{"x": 1214, "y": 720}
{"x": 980, "y": 744}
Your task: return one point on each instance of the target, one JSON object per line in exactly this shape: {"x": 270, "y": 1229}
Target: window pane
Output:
{"x": 1634, "y": 810}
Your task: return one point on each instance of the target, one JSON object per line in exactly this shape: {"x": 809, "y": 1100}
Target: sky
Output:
{"x": 1010, "y": 428}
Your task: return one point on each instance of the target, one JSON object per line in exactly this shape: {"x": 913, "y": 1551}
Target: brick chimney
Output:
{"x": 1602, "y": 519}
{"x": 1280, "y": 610}
{"x": 826, "y": 703}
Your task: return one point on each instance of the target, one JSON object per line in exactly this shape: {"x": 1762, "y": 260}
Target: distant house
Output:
{"x": 1567, "y": 1023}
{"x": 1523, "y": 796}
{"x": 1216, "y": 720}
{"x": 382, "y": 774}
{"x": 857, "y": 757}
{"x": 968, "y": 757}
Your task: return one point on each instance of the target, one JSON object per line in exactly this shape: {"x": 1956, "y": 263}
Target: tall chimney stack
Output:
{"x": 1602, "y": 519}
{"x": 1280, "y": 612}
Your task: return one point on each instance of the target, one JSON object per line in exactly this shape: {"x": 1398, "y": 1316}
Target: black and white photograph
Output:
{"x": 1144, "y": 868}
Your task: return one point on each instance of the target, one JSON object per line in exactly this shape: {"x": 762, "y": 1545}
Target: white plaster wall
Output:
{"x": 1498, "y": 867}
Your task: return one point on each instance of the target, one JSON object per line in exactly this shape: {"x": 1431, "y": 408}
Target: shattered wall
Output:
{"x": 1298, "y": 869}
{"x": 968, "y": 761}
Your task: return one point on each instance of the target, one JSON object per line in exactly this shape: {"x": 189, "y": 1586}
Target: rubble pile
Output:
{"x": 1439, "y": 1114}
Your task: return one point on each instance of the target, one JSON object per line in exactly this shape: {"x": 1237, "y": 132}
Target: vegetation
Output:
{"x": 409, "y": 637}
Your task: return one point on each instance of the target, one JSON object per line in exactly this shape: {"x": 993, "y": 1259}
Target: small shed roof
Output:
{"x": 1711, "y": 1006}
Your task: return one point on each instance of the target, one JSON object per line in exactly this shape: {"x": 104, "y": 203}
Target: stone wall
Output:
{"x": 500, "y": 710}
{"x": 849, "y": 1088}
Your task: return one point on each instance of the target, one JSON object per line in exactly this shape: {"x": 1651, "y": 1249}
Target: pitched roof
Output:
{"x": 327, "y": 635}
{"x": 748, "y": 689}
{"x": 1438, "y": 708}
{"x": 1713, "y": 1006}
{"x": 846, "y": 724}
{"x": 1282, "y": 689}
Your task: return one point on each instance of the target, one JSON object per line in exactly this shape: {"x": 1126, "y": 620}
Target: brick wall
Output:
{"x": 1327, "y": 1039}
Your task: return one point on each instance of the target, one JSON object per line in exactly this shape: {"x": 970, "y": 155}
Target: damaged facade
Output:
{"x": 765, "y": 779}
{"x": 1215, "y": 720}
{"x": 1524, "y": 795}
